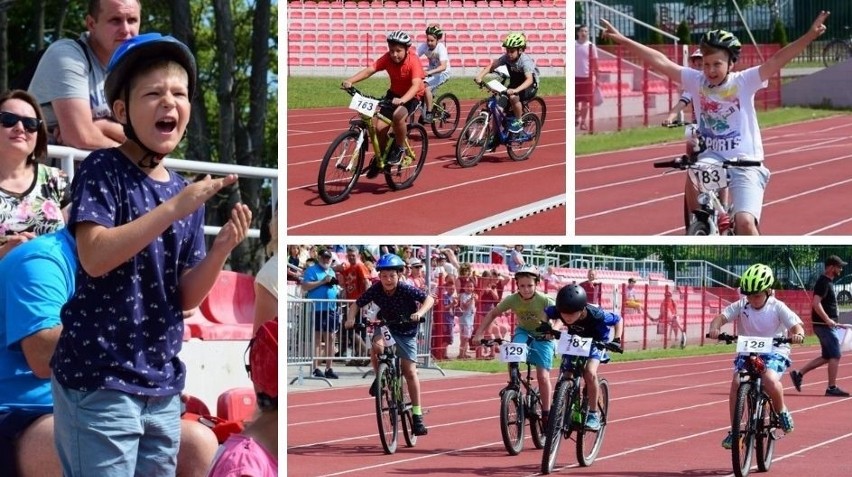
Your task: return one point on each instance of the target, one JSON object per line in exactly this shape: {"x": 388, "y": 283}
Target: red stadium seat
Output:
{"x": 237, "y": 404}
{"x": 200, "y": 327}
{"x": 231, "y": 300}
{"x": 195, "y": 405}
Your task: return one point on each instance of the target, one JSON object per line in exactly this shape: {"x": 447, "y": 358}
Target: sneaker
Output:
{"x": 374, "y": 388}
{"x": 395, "y": 156}
{"x": 797, "y": 379}
{"x": 593, "y": 421}
{"x": 786, "y": 421}
{"x": 728, "y": 442}
{"x": 329, "y": 374}
{"x": 372, "y": 171}
{"x": 427, "y": 118}
{"x": 419, "y": 427}
{"x": 835, "y": 391}
{"x": 516, "y": 126}
{"x": 491, "y": 144}
{"x": 318, "y": 373}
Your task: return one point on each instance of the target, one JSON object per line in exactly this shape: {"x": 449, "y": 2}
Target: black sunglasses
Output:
{"x": 9, "y": 120}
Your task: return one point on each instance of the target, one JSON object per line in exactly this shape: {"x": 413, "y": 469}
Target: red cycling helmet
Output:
{"x": 263, "y": 363}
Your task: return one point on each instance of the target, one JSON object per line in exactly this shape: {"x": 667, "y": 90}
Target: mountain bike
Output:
{"x": 520, "y": 401}
{"x": 709, "y": 174}
{"x": 490, "y": 129}
{"x": 837, "y": 50}
{"x": 393, "y": 403}
{"x": 570, "y": 402}
{"x": 343, "y": 162}
{"x": 756, "y": 425}
{"x": 446, "y": 111}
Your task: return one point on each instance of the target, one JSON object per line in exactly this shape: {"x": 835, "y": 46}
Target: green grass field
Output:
{"x": 323, "y": 92}
{"x": 493, "y": 366}
{"x": 630, "y": 138}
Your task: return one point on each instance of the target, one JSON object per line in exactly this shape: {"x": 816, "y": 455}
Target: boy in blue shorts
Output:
{"x": 724, "y": 105}
{"x": 588, "y": 321}
{"x": 117, "y": 376}
{"x": 439, "y": 65}
{"x": 402, "y": 307}
{"x": 760, "y": 314}
{"x": 523, "y": 75}
{"x": 529, "y": 307}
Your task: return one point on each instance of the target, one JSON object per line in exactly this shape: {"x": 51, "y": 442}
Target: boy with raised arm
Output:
{"x": 724, "y": 107}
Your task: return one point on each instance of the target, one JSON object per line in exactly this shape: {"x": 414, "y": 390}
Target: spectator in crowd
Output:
{"x": 405, "y": 253}
{"x": 497, "y": 254}
{"x": 140, "y": 241}
{"x": 445, "y": 267}
{"x": 266, "y": 281}
{"x": 488, "y": 299}
{"x": 295, "y": 265}
{"x": 668, "y": 320}
{"x": 30, "y": 305}
{"x": 632, "y": 304}
{"x": 320, "y": 283}
{"x": 417, "y": 277}
{"x": 465, "y": 275}
{"x": 254, "y": 452}
{"x": 824, "y": 315}
{"x": 32, "y": 195}
{"x": 355, "y": 280}
{"x": 516, "y": 258}
{"x": 467, "y": 311}
{"x": 443, "y": 319}
{"x": 585, "y": 68}
{"x": 552, "y": 279}
{"x": 69, "y": 80}
{"x": 592, "y": 288}
{"x": 696, "y": 63}
{"x": 370, "y": 262}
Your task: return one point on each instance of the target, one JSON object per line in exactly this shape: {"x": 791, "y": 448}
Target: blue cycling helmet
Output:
{"x": 143, "y": 49}
{"x": 390, "y": 261}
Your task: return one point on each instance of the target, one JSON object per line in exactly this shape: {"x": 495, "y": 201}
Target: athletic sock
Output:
{"x": 416, "y": 410}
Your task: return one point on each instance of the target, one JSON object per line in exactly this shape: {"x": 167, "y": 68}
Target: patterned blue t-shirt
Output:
{"x": 397, "y": 308}
{"x": 123, "y": 330}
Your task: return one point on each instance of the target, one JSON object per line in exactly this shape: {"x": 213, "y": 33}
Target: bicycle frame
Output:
{"x": 372, "y": 133}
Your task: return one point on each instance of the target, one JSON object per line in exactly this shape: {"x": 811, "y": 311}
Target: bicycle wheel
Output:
{"x": 387, "y": 415}
{"x": 445, "y": 113}
{"x": 589, "y": 442}
{"x": 765, "y": 439}
{"x": 742, "y": 436}
{"x": 407, "y": 416}
{"x": 523, "y": 144}
{"x": 835, "y": 52}
{"x": 512, "y": 421}
{"x": 340, "y": 168}
{"x": 536, "y": 427}
{"x": 699, "y": 227}
{"x": 473, "y": 142}
{"x": 537, "y": 107}
{"x": 558, "y": 426}
{"x": 477, "y": 107}
{"x": 402, "y": 175}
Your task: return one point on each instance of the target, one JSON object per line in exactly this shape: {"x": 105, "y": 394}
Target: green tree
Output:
{"x": 779, "y": 33}
{"x": 683, "y": 33}
{"x": 655, "y": 37}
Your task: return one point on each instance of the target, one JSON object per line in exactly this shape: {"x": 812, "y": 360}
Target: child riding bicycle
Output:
{"x": 724, "y": 102}
{"x": 529, "y": 307}
{"x": 406, "y": 89}
{"x": 396, "y": 299}
{"x": 523, "y": 75}
{"x": 588, "y": 321}
{"x": 760, "y": 314}
{"x": 439, "y": 65}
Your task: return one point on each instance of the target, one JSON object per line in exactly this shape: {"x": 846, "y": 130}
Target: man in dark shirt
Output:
{"x": 824, "y": 316}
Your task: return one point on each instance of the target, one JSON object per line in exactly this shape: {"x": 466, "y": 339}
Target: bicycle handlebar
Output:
{"x": 683, "y": 163}
{"x": 352, "y": 90}
{"x": 731, "y": 338}
{"x": 675, "y": 124}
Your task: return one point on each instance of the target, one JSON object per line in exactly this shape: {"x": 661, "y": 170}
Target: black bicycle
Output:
{"x": 446, "y": 111}
{"x": 393, "y": 403}
{"x": 837, "y": 50}
{"x": 520, "y": 401}
{"x": 756, "y": 424}
{"x": 570, "y": 405}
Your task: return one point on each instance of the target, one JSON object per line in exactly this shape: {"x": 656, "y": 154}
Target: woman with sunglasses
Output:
{"x": 32, "y": 195}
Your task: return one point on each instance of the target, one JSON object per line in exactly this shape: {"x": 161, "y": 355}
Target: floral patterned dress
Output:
{"x": 38, "y": 209}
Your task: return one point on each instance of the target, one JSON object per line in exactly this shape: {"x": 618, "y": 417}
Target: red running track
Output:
{"x": 667, "y": 418}
{"x": 444, "y": 197}
{"x": 619, "y": 193}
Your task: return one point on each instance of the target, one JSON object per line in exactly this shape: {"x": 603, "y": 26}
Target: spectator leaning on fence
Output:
{"x": 320, "y": 283}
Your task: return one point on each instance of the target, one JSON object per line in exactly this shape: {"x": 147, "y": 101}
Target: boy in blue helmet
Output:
{"x": 724, "y": 106}
{"x": 402, "y": 307}
{"x": 589, "y": 321}
{"x": 117, "y": 377}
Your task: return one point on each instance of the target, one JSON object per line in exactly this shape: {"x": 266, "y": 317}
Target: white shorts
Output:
{"x": 747, "y": 187}
{"x": 437, "y": 80}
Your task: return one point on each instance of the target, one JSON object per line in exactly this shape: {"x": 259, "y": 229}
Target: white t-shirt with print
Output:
{"x": 772, "y": 320}
{"x": 726, "y": 114}
{"x": 436, "y": 56}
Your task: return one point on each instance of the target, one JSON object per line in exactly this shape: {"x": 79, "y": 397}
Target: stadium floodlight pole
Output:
{"x": 748, "y": 30}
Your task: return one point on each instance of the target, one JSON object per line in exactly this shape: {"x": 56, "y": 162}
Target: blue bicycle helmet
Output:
{"x": 390, "y": 261}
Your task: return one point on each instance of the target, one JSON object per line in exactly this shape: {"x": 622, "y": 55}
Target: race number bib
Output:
{"x": 709, "y": 176}
{"x": 574, "y": 345}
{"x": 754, "y": 344}
{"x": 513, "y": 353}
{"x": 364, "y": 105}
{"x": 386, "y": 334}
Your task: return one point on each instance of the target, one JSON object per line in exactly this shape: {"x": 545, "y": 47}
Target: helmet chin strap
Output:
{"x": 150, "y": 159}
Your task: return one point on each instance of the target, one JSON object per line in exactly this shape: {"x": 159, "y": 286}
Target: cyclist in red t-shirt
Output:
{"x": 406, "y": 88}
